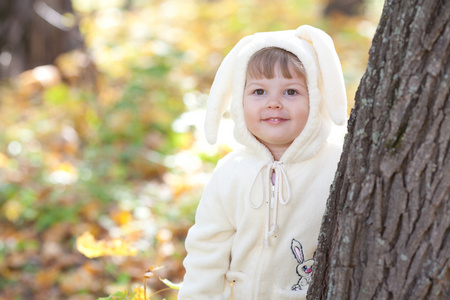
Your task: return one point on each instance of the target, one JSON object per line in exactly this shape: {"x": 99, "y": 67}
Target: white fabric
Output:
{"x": 245, "y": 225}
{"x": 276, "y": 170}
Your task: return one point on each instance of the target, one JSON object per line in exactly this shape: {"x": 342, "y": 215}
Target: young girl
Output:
{"x": 258, "y": 221}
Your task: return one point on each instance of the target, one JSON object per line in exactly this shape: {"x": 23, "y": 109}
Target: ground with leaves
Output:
{"x": 102, "y": 162}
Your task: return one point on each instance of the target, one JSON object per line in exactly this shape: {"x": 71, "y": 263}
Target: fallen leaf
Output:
{"x": 89, "y": 247}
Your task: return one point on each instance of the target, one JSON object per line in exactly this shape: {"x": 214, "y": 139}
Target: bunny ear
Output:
{"x": 221, "y": 89}
{"x": 331, "y": 71}
{"x": 297, "y": 249}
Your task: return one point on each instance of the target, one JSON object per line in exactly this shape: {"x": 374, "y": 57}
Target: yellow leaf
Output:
{"x": 3, "y": 160}
{"x": 13, "y": 209}
{"x": 89, "y": 247}
{"x": 121, "y": 217}
{"x": 139, "y": 293}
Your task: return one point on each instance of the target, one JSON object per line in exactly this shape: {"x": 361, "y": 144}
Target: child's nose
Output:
{"x": 274, "y": 103}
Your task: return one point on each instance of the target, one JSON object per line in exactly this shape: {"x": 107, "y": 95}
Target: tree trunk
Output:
{"x": 386, "y": 232}
{"x": 345, "y": 7}
{"x": 34, "y": 33}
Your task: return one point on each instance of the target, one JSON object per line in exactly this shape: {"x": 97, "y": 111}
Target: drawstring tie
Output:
{"x": 275, "y": 190}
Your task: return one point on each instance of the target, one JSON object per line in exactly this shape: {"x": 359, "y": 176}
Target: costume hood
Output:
{"x": 325, "y": 82}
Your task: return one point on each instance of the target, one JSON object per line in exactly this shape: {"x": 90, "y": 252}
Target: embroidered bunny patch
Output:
{"x": 304, "y": 268}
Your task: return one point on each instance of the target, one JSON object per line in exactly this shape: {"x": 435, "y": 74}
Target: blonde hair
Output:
{"x": 262, "y": 63}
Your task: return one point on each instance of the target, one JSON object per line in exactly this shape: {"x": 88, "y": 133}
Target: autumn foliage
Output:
{"x": 102, "y": 158}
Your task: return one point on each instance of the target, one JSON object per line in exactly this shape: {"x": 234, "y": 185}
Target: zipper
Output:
{"x": 262, "y": 257}
{"x": 261, "y": 260}
{"x": 272, "y": 196}
{"x": 258, "y": 274}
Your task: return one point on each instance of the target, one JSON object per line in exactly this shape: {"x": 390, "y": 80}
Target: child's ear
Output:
{"x": 220, "y": 94}
{"x": 330, "y": 70}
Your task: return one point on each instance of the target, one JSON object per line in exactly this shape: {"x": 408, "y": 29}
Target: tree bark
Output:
{"x": 386, "y": 232}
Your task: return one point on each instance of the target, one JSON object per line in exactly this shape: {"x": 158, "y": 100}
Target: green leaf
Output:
{"x": 173, "y": 286}
{"x": 57, "y": 94}
{"x": 121, "y": 295}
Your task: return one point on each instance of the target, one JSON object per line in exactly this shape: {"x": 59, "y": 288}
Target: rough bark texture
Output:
{"x": 386, "y": 233}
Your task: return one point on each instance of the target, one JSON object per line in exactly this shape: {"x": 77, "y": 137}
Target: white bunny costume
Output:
{"x": 245, "y": 224}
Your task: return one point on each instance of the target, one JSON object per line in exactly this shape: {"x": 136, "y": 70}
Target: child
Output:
{"x": 258, "y": 221}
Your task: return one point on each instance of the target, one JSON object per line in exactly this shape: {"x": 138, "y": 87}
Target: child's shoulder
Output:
{"x": 237, "y": 160}
{"x": 235, "y": 157}
{"x": 333, "y": 147}
{"x": 330, "y": 152}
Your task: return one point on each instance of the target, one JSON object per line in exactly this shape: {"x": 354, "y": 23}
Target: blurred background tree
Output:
{"x": 34, "y": 32}
{"x": 345, "y": 7}
{"x": 101, "y": 109}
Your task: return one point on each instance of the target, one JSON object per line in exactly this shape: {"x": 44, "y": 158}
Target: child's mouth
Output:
{"x": 274, "y": 120}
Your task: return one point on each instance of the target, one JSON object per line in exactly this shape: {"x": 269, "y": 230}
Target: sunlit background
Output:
{"x": 103, "y": 148}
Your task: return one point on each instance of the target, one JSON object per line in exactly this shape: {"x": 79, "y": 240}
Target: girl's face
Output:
{"x": 276, "y": 109}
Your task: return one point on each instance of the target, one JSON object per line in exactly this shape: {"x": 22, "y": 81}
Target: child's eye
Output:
{"x": 259, "y": 92}
{"x": 291, "y": 92}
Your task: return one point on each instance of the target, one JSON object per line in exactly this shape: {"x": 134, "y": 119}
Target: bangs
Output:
{"x": 262, "y": 64}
